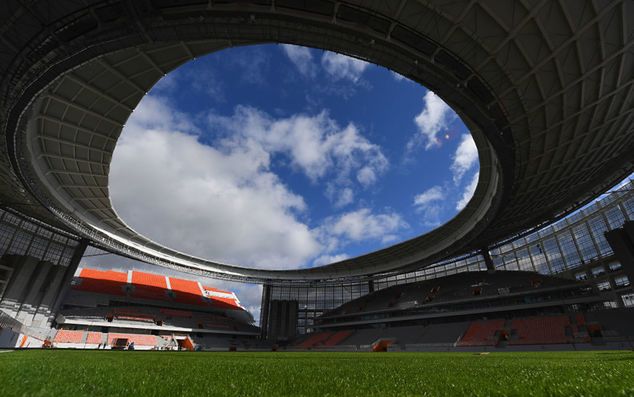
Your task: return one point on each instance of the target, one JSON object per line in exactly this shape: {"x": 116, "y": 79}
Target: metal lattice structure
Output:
{"x": 546, "y": 88}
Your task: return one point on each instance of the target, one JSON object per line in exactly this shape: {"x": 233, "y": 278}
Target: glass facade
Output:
{"x": 23, "y": 236}
{"x": 563, "y": 246}
{"x": 314, "y": 300}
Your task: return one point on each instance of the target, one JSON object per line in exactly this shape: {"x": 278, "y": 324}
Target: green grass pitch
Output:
{"x": 112, "y": 373}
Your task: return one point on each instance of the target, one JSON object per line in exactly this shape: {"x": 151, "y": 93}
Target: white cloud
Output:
{"x": 302, "y": 58}
{"x": 468, "y": 192}
{"x": 465, "y": 157}
{"x": 316, "y": 145}
{"x": 389, "y": 238}
{"x": 366, "y": 176}
{"x": 362, "y": 224}
{"x": 154, "y": 113}
{"x": 345, "y": 197}
{"x": 188, "y": 196}
{"x": 343, "y": 67}
{"x": 433, "y": 119}
{"x": 225, "y": 203}
{"x": 429, "y": 196}
{"x": 328, "y": 259}
{"x": 397, "y": 76}
{"x": 430, "y": 205}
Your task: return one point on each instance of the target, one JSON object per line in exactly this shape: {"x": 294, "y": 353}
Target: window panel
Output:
{"x": 568, "y": 249}
{"x": 598, "y": 227}
{"x": 614, "y": 266}
{"x": 551, "y": 249}
{"x": 598, "y": 271}
{"x": 38, "y": 247}
{"x": 539, "y": 259}
{"x": 581, "y": 276}
{"x": 628, "y": 205}
{"x": 585, "y": 243}
{"x": 524, "y": 260}
{"x": 621, "y": 281}
{"x": 20, "y": 243}
{"x": 628, "y": 300}
{"x": 6, "y": 235}
{"x": 615, "y": 217}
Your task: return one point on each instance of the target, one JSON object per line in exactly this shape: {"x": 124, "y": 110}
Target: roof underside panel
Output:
{"x": 545, "y": 86}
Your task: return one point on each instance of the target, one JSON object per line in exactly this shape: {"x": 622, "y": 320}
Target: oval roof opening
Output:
{"x": 285, "y": 157}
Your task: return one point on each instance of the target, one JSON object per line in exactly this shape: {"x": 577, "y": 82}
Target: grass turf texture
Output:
{"x": 112, "y": 373}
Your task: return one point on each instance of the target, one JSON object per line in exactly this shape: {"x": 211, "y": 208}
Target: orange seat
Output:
{"x": 481, "y": 333}
{"x": 94, "y": 338}
{"x": 102, "y": 281}
{"x": 186, "y": 291}
{"x": 540, "y": 330}
{"x": 138, "y": 339}
{"x": 149, "y": 286}
{"x": 69, "y": 336}
{"x": 315, "y": 339}
{"x": 337, "y": 337}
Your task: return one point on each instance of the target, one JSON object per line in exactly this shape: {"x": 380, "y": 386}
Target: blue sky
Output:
{"x": 277, "y": 156}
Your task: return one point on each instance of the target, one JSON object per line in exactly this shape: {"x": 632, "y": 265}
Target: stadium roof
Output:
{"x": 546, "y": 88}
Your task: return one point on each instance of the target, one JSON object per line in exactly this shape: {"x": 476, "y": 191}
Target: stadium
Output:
{"x": 526, "y": 290}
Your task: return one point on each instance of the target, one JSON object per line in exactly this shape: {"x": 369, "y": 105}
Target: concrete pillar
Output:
{"x": 23, "y": 269}
{"x": 41, "y": 317}
{"x": 623, "y": 247}
{"x": 264, "y": 317}
{"x": 68, "y": 277}
{"x": 487, "y": 260}
{"x": 29, "y": 304}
